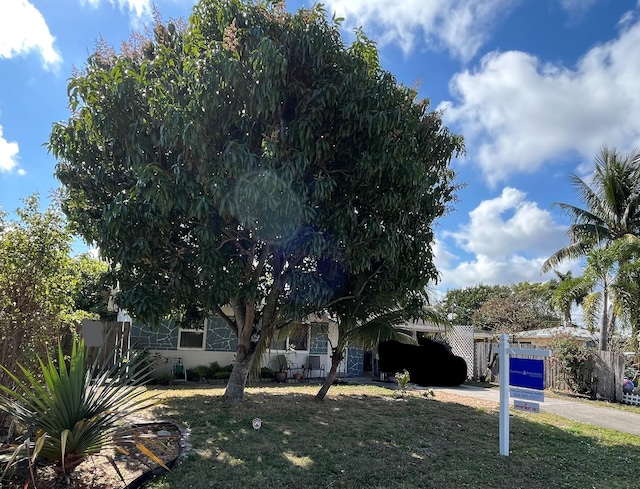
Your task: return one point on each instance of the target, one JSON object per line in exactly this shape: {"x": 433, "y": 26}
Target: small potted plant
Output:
{"x": 281, "y": 374}
{"x": 284, "y": 365}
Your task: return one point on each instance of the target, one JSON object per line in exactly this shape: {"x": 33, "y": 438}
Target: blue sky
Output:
{"x": 535, "y": 86}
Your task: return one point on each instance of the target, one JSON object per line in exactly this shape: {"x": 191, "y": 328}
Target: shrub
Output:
{"x": 78, "y": 409}
{"x": 576, "y": 363}
{"x": 164, "y": 379}
{"x": 196, "y": 373}
{"x": 403, "y": 378}
{"x": 212, "y": 370}
{"x": 266, "y": 373}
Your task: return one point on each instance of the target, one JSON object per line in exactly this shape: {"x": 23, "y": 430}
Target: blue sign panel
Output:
{"x": 525, "y": 372}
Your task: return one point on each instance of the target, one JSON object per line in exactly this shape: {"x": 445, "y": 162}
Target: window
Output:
{"x": 297, "y": 340}
{"x": 192, "y": 339}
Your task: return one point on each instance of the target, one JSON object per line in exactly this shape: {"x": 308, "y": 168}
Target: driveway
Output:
{"x": 590, "y": 412}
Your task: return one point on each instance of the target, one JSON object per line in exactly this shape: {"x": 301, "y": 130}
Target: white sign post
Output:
{"x": 504, "y": 352}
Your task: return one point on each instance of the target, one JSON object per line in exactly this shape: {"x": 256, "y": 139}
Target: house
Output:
{"x": 216, "y": 342}
{"x": 543, "y": 338}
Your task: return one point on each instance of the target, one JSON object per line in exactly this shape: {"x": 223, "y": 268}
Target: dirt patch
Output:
{"x": 97, "y": 472}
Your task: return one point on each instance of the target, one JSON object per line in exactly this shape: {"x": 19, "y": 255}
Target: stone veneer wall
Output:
{"x": 219, "y": 336}
{"x": 319, "y": 342}
{"x": 163, "y": 338}
{"x": 355, "y": 361}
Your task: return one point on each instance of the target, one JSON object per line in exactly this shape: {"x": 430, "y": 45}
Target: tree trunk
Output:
{"x": 336, "y": 358}
{"x": 604, "y": 335}
{"x": 239, "y": 374}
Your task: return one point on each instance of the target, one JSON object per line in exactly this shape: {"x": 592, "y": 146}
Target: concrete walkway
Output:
{"x": 590, "y": 412}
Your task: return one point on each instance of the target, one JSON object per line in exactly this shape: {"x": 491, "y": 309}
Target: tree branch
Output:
{"x": 218, "y": 310}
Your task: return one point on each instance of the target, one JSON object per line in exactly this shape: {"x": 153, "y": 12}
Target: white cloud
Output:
{"x": 23, "y": 29}
{"x": 577, "y": 7}
{"x": 8, "y": 155}
{"x": 461, "y": 26}
{"x": 508, "y": 224}
{"x": 518, "y": 112}
{"x": 140, "y": 8}
{"x": 509, "y": 238}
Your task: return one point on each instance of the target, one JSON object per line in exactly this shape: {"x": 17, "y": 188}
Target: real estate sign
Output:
{"x": 526, "y": 372}
{"x": 529, "y": 407}
{"x": 527, "y": 394}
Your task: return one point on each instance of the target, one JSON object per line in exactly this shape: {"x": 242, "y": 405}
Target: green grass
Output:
{"x": 365, "y": 437}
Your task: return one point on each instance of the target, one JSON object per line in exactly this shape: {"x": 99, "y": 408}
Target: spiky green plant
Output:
{"x": 78, "y": 409}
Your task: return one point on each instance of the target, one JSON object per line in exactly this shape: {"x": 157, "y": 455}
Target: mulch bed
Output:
{"x": 97, "y": 472}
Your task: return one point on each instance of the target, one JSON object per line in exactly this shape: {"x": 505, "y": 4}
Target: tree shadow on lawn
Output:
{"x": 367, "y": 438}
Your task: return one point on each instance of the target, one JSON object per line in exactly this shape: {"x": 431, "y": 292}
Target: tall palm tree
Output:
{"x": 612, "y": 211}
{"x": 612, "y": 205}
{"x": 627, "y": 292}
{"x": 601, "y": 286}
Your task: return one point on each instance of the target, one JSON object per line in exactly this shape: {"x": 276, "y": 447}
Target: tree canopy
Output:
{"x": 502, "y": 308}
{"x": 251, "y": 158}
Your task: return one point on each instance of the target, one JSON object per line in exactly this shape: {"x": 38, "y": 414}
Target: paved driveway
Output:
{"x": 590, "y": 412}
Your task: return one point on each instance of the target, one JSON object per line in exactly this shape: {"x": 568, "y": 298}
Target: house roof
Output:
{"x": 558, "y": 332}
{"x": 428, "y": 327}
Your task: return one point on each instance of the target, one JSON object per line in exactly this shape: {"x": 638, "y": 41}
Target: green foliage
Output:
{"x": 461, "y": 304}
{"x": 259, "y": 160}
{"x": 92, "y": 292}
{"x": 211, "y": 371}
{"x": 79, "y": 409}
{"x": 611, "y": 215}
{"x": 37, "y": 282}
{"x": 196, "y": 373}
{"x": 266, "y": 373}
{"x": 612, "y": 205}
{"x": 577, "y": 364}
{"x": 403, "y": 378}
{"x": 502, "y": 308}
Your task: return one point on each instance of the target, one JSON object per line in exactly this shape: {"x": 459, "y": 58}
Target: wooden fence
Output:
{"x": 605, "y": 375}
{"x": 103, "y": 337}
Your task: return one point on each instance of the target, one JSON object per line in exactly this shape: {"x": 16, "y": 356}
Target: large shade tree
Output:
{"x": 251, "y": 159}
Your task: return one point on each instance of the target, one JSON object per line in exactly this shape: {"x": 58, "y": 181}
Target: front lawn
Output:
{"x": 365, "y": 437}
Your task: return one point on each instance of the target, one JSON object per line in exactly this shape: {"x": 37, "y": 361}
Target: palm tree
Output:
{"x": 567, "y": 292}
{"x": 612, "y": 206}
{"x": 371, "y": 316}
{"x": 600, "y": 287}
{"x": 627, "y": 293}
{"x": 613, "y": 211}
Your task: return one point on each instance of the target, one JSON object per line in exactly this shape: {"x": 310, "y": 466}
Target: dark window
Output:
{"x": 191, "y": 339}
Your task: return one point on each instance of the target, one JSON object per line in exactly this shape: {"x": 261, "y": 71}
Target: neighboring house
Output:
{"x": 543, "y": 338}
{"x": 216, "y": 342}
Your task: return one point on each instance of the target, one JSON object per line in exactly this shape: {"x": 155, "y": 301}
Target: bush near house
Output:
{"x": 576, "y": 362}
{"x": 211, "y": 371}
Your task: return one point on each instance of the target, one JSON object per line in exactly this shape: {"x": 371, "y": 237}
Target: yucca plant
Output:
{"x": 78, "y": 409}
